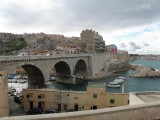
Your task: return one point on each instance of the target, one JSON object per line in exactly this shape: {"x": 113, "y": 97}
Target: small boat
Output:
{"x": 120, "y": 81}
{"x": 122, "y": 78}
{"x": 113, "y": 86}
{"x": 114, "y": 83}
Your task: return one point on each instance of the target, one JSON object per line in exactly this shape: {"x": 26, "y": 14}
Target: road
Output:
{"x": 16, "y": 109}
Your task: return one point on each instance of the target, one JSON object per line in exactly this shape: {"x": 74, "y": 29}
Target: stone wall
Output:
{"x": 149, "y": 111}
{"x": 105, "y": 64}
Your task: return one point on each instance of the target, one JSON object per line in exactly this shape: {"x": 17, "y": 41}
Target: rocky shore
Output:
{"x": 110, "y": 68}
{"x": 143, "y": 71}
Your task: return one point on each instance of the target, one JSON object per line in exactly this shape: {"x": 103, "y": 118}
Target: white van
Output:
{"x": 23, "y": 54}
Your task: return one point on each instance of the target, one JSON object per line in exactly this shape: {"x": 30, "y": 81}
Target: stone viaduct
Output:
{"x": 67, "y": 67}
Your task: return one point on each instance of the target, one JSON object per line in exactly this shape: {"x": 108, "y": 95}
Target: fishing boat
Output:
{"x": 113, "y": 86}
{"x": 124, "y": 78}
{"x": 120, "y": 81}
{"x": 114, "y": 83}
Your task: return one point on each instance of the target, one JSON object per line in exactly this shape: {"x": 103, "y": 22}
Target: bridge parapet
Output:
{"x": 6, "y": 58}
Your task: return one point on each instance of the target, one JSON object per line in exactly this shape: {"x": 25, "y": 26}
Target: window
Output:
{"x": 41, "y": 96}
{"x": 128, "y": 101}
{"x": 65, "y": 107}
{"x": 112, "y": 101}
{"x": 29, "y": 96}
{"x": 94, "y": 107}
{"x": 58, "y": 97}
{"x": 94, "y": 95}
{"x": 76, "y": 98}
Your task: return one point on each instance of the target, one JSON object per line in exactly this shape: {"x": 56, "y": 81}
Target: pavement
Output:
{"x": 16, "y": 109}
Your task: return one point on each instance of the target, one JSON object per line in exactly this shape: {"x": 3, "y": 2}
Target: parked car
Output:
{"x": 23, "y": 54}
{"x": 11, "y": 91}
{"x": 51, "y": 110}
{"x": 18, "y": 97}
{"x": 34, "y": 111}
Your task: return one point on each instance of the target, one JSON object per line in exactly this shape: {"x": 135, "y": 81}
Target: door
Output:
{"x": 76, "y": 107}
{"x": 31, "y": 104}
{"x": 59, "y": 107}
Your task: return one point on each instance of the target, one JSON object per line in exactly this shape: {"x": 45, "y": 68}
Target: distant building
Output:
{"x": 68, "y": 48}
{"x": 122, "y": 52}
{"x": 55, "y": 37}
{"x": 6, "y": 37}
{"x": 32, "y": 38}
{"x": 95, "y": 97}
{"x": 4, "y": 104}
{"x": 111, "y": 48}
{"x": 92, "y": 42}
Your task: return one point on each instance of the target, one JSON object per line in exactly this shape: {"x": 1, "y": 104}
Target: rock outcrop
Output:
{"x": 143, "y": 71}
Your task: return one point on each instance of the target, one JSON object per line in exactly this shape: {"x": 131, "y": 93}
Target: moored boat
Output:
{"x": 113, "y": 86}
{"x": 124, "y": 78}
{"x": 120, "y": 81}
{"x": 114, "y": 83}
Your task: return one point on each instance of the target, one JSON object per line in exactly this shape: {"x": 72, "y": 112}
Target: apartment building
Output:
{"x": 95, "y": 97}
{"x": 111, "y": 48}
{"x": 92, "y": 41}
{"x": 68, "y": 48}
{"x": 4, "y": 104}
{"x": 5, "y": 37}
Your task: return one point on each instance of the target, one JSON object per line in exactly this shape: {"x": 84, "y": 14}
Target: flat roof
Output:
{"x": 153, "y": 96}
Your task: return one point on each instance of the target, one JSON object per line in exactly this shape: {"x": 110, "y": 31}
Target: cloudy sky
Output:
{"x": 132, "y": 25}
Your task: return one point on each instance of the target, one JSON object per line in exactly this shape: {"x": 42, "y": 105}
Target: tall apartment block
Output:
{"x": 92, "y": 42}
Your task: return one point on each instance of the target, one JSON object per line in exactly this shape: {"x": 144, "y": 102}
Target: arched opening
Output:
{"x": 80, "y": 68}
{"x": 35, "y": 76}
{"x": 63, "y": 72}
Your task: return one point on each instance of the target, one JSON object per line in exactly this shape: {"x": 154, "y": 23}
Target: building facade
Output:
{"x": 93, "y": 98}
{"x": 4, "y": 104}
{"x": 92, "y": 42}
{"x": 111, "y": 48}
{"x": 68, "y": 48}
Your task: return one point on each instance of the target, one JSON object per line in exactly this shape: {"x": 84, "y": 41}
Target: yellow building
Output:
{"x": 4, "y": 105}
{"x": 95, "y": 97}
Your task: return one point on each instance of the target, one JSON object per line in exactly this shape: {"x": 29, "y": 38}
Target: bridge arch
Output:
{"x": 35, "y": 76}
{"x": 80, "y": 68}
{"x": 62, "y": 68}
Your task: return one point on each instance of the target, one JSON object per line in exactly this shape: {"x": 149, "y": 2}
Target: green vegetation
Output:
{"x": 13, "y": 45}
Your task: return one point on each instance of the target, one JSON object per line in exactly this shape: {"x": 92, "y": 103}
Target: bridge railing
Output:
{"x": 3, "y": 58}
{"x": 35, "y": 57}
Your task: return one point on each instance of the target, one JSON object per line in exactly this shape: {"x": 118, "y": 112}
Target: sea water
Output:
{"x": 131, "y": 84}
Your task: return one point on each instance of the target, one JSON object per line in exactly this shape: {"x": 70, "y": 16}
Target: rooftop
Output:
{"x": 149, "y": 96}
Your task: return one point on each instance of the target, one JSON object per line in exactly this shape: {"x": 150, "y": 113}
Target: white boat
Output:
{"x": 122, "y": 78}
{"x": 113, "y": 86}
{"x": 114, "y": 83}
{"x": 120, "y": 81}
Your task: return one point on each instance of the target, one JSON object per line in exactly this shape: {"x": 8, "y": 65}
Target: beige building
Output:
{"x": 95, "y": 97}
{"x": 31, "y": 38}
{"x": 68, "y": 48}
{"x": 92, "y": 41}
{"x": 4, "y": 105}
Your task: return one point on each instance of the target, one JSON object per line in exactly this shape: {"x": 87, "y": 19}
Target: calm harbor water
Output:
{"x": 130, "y": 85}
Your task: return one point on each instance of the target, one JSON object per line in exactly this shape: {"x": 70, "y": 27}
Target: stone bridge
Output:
{"x": 67, "y": 67}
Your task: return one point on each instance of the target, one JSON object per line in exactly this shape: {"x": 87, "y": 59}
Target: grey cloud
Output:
{"x": 100, "y": 15}
{"x": 123, "y": 45}
{"x": 134, "y": 46}
{"x": 145, "y": 44}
